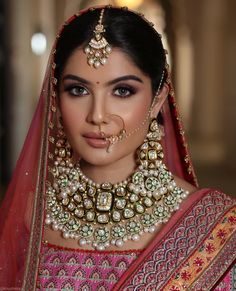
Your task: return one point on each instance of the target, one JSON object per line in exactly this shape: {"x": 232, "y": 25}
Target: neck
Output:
{"x": 113, "y": 173}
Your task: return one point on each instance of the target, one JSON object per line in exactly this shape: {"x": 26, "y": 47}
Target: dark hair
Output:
{"x": 125, "y": 30}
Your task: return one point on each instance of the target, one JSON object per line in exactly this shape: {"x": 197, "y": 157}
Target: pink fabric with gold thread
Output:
{"x": 179, "y": 257}
{"x": 70, "y": 269}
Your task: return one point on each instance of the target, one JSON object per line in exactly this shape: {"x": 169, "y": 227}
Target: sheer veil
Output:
{"x": 22, "y": 211}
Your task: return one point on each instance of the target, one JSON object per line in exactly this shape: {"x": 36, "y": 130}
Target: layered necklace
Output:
{"x": 101, "y": 215}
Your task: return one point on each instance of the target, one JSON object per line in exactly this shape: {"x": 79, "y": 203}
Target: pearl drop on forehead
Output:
{"x": 98, "y": 49}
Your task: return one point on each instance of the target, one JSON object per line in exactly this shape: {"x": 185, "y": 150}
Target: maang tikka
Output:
{"x": 98, "y": 49}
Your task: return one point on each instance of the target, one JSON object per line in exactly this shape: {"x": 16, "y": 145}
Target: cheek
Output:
{"x": 135, "y": 125}
{"x": 136, "y": 115}
{"x": 72, "y": 115}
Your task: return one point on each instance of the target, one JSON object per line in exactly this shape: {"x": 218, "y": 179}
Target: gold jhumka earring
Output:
{"x": 98, "y": 49}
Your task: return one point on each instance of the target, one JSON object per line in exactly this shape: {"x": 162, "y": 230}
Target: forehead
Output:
{"x": 118, "y": 64}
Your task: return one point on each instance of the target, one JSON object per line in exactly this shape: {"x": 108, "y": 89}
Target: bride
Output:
{"x": 104, "y": 195}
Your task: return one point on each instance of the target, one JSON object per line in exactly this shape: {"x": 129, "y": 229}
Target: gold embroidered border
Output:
{"x": 204, "y": 256}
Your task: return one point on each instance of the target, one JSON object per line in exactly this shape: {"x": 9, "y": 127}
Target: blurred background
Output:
{"x": 201, "y": 40}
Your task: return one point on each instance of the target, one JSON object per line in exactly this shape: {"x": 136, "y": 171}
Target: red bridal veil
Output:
{"x": 23, "y": 209}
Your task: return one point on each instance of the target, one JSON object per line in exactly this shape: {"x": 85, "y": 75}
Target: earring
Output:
{"x": 63, "y": 150}
{"x": 150, "y": 152}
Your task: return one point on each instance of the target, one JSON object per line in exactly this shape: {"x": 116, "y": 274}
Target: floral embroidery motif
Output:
{"x": 79, "y": 274}
{"x": 69, "y": 270}
{"x": 96, "y": 276}
{"x": 210, "y": 248}
{"x": 221, "y": 234}
{"x": 185, "y": 275}
{"x": 204, "y": 255}
{"x": 56, "y": 261}
{"x": 198, "y": 262}
{"x": 170, "y": 254}
{"x": 106, "y": 263}
{"x": 122, "y": 264}
{"x": 232, "y": 220}
{"x": 68, "y": 286}
{"x": 72, "y": 261}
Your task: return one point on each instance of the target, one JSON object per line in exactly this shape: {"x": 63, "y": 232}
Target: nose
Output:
{"x": 97, "y": 111}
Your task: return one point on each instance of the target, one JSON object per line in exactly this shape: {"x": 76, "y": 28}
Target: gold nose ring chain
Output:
{"x": 114, "y": 138}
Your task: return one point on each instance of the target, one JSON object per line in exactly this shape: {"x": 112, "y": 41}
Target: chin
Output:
{"x": 104, "y": 158}
{"x": 97, "y": 157}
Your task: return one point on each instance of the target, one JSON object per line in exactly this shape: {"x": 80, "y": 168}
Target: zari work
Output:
{"x": 185, "y": 259}
{"x": 68, "y": 269}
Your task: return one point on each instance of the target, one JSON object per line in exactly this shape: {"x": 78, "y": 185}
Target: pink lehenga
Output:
{"x": 195, "y": 250}
{"x": 74, "y": 269}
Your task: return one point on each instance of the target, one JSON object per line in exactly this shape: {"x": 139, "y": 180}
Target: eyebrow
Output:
{"x": 112, "y": 82}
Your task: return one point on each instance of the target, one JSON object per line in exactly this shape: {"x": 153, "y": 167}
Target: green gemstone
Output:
{"x": 90, "y": 215}
{"x": 128, "y": 213}
{"x": 120, "y": 203}
{"x": 137, "y": 178}
{"x": 147, "y": 219}
{"x": 152, "y": 184}
{"x": 86, "y": 230}
{"x": 148, "y": 202}
{"x": 101, "y": 234}
{"x": 133, "y": 227}
{"x": 165, "y": 177}
{"x": 116, "y": 216}
{"x": 118, "y": 231}
{"x": 170, "y": 200}
{"x": 72, "y": 225}
{"x": 161, "y": 211}
{"x": 139, "y": 208}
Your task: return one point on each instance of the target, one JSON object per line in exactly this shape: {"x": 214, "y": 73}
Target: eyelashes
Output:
{"x": 120, "y": 91}
{"x": 76, "y": 90}
{"x": 124, "y": 91}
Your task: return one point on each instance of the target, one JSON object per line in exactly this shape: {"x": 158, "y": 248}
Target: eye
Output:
{"x": 124, "y": 91}
{"x": 76, "y": 90}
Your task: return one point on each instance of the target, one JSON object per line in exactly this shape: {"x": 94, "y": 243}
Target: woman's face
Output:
{"x": 99, "y": 99}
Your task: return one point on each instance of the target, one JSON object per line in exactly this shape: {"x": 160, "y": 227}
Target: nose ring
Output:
{"x": 114, "y": 138}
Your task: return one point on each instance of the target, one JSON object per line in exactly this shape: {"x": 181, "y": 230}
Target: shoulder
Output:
{"x": 216, "y": 195}
{"x": 185, "y": 185}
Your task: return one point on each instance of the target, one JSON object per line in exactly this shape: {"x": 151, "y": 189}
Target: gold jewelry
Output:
{"x": 63, "y": 149}
{"x": 105, "y": 214}
{"x": 98, "y": 49}
{"x": 113, "y": 139}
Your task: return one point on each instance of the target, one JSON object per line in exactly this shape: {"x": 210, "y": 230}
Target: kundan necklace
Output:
{"x": 105, "y": 214}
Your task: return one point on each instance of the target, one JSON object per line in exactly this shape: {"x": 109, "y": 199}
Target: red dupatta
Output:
{"x": 193, "y": 251}
{"x": 23, "y": 209}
